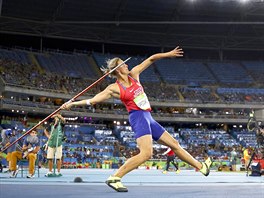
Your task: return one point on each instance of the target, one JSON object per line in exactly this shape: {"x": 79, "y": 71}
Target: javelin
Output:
{"x": 71, "y": 100}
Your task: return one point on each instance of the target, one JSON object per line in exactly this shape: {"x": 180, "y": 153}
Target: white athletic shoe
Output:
{"x": 48, "y": 174}
{"x": 30, "y": 176}
{"x": 14, "y": 174}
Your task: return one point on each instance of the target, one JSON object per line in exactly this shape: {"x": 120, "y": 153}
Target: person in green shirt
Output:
{"x": 54, "y": 134}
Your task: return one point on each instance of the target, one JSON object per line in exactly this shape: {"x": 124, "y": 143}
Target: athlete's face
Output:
{"x": 123, "y": 69}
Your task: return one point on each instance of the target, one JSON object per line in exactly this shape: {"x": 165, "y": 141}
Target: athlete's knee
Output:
{"x": 176, "y": 145}
{"x": 146, "y": 154}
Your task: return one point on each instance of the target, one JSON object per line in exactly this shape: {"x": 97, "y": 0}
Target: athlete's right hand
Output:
{"x": 67, "y": 105}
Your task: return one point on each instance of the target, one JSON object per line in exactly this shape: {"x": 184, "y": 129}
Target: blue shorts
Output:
{"x": 142, "y": 123}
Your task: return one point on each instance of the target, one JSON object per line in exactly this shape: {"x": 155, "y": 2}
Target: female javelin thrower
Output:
{"x": 128, "y": 89}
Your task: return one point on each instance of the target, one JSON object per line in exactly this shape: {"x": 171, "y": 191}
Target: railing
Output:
{"x": 150, "y": 98}
{"x": 40, "y": 106}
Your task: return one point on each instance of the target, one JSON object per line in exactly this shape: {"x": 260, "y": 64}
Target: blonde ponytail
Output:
{"x": 111, "y": 64}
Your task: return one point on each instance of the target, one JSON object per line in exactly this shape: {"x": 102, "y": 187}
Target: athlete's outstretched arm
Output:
{"x": 100, "y": 97}
{"x": 177, "y": 52}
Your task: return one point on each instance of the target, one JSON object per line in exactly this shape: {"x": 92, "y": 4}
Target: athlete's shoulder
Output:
{"x": 134, "y": 76}
{"x": 113, "y": 87}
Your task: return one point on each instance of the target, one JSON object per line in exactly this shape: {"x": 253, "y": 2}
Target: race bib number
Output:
{"x": 142, "y": 101}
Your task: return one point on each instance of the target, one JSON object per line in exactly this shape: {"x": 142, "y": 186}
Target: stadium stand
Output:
{"x": 184, "y": 72}
{"x": 230, "y": 73}
{"x": 188, "y": 81}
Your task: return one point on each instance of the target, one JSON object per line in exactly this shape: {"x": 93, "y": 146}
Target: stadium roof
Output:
{"x": 202, "y": 24}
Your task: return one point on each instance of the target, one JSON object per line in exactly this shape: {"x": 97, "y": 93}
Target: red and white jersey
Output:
{"x": 134, "y": 97}
{"x": 170, "y": 153}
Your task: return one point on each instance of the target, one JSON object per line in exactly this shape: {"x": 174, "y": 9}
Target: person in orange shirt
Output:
{"x": 246, "y": 157}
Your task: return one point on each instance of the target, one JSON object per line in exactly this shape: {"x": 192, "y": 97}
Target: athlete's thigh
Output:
{"x": 167, "y": 140}
{"x": 140, "y": 123}
{"x": 145, "y": 143}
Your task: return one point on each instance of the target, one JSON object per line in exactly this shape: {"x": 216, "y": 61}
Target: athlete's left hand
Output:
{"x": 177, "y": 52}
